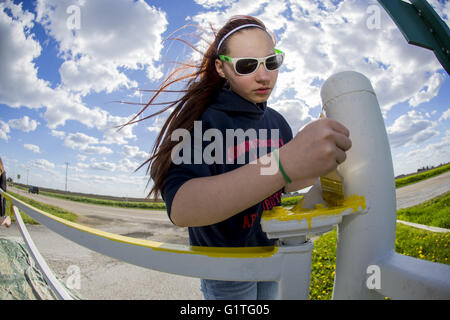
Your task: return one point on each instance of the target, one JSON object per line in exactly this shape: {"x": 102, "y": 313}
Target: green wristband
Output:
{"x": 285, "y": 176}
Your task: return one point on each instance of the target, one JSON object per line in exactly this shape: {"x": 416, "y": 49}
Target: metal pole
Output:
{"x": 67, "y": 166}
{"x": 349, "y": 98}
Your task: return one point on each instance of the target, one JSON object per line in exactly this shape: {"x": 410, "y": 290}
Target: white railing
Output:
{"x": 366, "y": 228}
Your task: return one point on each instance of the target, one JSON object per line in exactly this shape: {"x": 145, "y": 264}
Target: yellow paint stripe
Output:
{"x": 355, "y": 203}
{"x": 6, "y": 196}
{"x": 215, "y": 252}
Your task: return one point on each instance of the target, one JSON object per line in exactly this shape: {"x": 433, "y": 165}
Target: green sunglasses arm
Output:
{"x": 224, "y": 58}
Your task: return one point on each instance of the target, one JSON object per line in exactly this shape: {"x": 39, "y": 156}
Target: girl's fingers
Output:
{"x": 339, "y": 127}
{"x": 340, "y": 156}
{"x": 343, "y": 142}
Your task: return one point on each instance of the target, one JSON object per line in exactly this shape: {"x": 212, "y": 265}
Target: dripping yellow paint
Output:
{"x": 298, "y": 212}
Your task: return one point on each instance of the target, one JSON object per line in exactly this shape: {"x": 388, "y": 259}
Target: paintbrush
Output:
{"x": 332, "y": 191}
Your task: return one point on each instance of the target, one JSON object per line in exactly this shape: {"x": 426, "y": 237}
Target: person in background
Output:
{"x": 4, "y": 220}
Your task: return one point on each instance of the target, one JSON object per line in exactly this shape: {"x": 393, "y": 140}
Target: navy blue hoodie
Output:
{"x": 230, "y": 111}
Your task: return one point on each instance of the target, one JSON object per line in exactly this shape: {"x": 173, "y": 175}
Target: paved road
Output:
{"x": 419, "y": 192}
{"x": 106, "y": 278}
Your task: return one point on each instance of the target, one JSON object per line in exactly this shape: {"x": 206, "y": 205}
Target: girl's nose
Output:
{"x": 261, "y": 72}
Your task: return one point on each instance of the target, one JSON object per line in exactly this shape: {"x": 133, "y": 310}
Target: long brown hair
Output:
{"x": 203, "y": 86}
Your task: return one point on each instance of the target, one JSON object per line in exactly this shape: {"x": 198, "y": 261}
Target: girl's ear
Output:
{"x": 219, "y": 68}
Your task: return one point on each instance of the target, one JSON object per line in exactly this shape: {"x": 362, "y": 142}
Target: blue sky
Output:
{"x": 59, "y": 79}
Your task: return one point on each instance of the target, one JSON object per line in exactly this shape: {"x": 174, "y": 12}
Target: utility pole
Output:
{"x": 67, "y": 167}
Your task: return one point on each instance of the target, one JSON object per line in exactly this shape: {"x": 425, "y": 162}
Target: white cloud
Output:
{"x": 81, "y": 157}
{"x": 4, "y": 130}
{"x": 21, "y": 85}
{"x": 82, "y": 166}
{"x": 213, "y": 3}
{"x": 135, "y": 153}
{"x": 32, "y": 147}
{"x": 82, "y": 142}
{"x": 85, "y": 75}
{"x": 79, "y": 140}
{"x": 102, "y": 45}
{"x": 133, "y": 185}
{"x": 431, "y": 154}
{"x": 445, "y": 115}
{"x": 58, "y": 134}
{"x": 24, "y": 124}
{"x": 410, "y": 128}
{"x": 112, "y": 134}
{"x": 158, "y": 123}
{"x": 95, "y": 58}
{"x": 431, "y": 89}
{"x": 96, "y": 150}
{"x": 104, "y": 166}
{"x": 127, "y": 165}
{"x": 295, "y": 112}
{"x": 41, "y": 164}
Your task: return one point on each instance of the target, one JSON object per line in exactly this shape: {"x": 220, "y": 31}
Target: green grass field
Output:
{"x": 59, "y": 212}
{"x": 434, "y": 212}
{"x": 409, "y": 241}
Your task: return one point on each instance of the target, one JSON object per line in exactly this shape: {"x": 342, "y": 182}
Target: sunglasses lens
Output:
{"x": 246, "y": 66}
{"x": 274, "y": 62}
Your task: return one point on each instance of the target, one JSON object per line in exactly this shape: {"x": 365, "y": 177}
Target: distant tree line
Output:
{"x": 423, "y": 169}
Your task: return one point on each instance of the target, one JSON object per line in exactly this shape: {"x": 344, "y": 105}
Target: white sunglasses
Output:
{"x": 248, "y": 65}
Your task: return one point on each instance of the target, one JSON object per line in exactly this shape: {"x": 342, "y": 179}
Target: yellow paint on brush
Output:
{"x": 353, "y": 203}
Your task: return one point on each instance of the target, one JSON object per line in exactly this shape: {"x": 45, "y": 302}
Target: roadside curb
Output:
{"x": 424, "y": 227}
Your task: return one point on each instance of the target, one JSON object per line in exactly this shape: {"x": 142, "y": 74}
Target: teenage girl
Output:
{"x": 221, "y": 203}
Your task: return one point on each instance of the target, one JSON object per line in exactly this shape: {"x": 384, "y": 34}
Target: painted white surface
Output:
{"x": 365, "y": 240}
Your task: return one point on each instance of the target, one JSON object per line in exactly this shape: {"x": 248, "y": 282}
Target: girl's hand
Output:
{"x": 316, "y": 150}
{"x": 5, "y": 221}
